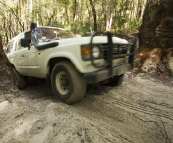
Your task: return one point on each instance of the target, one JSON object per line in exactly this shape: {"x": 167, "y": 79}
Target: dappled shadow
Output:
{"x": 38, "y": 88}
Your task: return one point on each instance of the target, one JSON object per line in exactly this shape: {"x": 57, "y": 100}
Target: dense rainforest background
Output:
{"x": 79, "y": 16}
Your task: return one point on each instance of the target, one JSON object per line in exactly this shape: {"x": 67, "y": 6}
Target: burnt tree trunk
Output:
{"x": 157, "y": 25}
{"x": 156, "y": 37}
{"x": 7, "y": 76}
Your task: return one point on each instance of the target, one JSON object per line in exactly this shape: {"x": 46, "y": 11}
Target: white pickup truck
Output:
{"x": 70, "y": 63}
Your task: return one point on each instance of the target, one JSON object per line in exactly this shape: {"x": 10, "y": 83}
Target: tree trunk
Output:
{"x": 74, "y": 10}
{"x": 94, "y": 15}
{"x": 156, "y": 36}
{"x": 157, "y": 24}
{"x": 7, "y": 76}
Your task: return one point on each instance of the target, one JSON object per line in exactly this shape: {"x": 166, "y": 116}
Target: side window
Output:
{"x": 10, "y": 47}
{"x": 15, "y": 45}
{"x": 18, "y": 43}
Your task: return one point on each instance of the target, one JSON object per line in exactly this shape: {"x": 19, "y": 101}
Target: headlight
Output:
{"x": 86, "y": 52}
{"x": 96, "y": 52}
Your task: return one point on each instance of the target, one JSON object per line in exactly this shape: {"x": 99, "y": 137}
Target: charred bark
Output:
{"x": 7, "y": 76}
{"x": 157, "y": 25}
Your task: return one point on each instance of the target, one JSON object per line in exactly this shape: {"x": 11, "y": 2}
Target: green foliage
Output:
{"x": 75, "y": 15}
{"x": 81, "y": 27}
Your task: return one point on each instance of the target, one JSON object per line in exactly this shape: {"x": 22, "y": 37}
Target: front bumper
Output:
{"x": 101, "y": 75}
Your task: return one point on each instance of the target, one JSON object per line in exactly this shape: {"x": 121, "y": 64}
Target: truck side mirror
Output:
{"x": 33, "y": 25}
{"x": 24, "y": 43}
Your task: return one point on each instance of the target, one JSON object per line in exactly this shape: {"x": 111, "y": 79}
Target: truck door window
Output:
{"x": 18, "y": 44}
{"x": 10, "y": 47}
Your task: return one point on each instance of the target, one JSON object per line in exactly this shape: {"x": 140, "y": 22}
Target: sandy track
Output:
{"x": 139, "y": 111}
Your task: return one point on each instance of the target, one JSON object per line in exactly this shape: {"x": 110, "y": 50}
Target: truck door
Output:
{"x": 24, "y": 59}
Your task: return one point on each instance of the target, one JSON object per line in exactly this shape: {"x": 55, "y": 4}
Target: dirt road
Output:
{"x": 139, "y": 111}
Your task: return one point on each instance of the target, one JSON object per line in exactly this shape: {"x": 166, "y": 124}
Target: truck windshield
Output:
{"x": 44, "y": 34}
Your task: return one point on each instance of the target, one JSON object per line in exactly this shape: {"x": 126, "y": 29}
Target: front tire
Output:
{"x": 67, "y": 84}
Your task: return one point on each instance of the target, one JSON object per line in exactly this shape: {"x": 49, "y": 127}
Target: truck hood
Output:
{"x": 87, "y": 40}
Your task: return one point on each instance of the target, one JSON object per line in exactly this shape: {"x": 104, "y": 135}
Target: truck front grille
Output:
{"x": 117, "y": 49}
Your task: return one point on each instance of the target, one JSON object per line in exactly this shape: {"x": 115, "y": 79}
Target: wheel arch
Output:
{"x": 53, "y": 61}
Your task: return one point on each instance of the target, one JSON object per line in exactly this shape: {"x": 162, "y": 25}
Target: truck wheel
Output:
{"x": 21, "y": 82}
{"x": 115, "y": 81}
{"x": 67, "y": 84}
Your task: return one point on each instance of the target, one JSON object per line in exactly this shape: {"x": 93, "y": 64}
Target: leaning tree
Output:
{"x": 156, "y": 34}
{"x": 7, "y": 75}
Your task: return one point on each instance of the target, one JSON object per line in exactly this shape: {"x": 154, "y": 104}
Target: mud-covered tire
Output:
{"x": 21, "y": 82}
{"x": 67, "y": 84}
{"x": 115, "y": 81}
